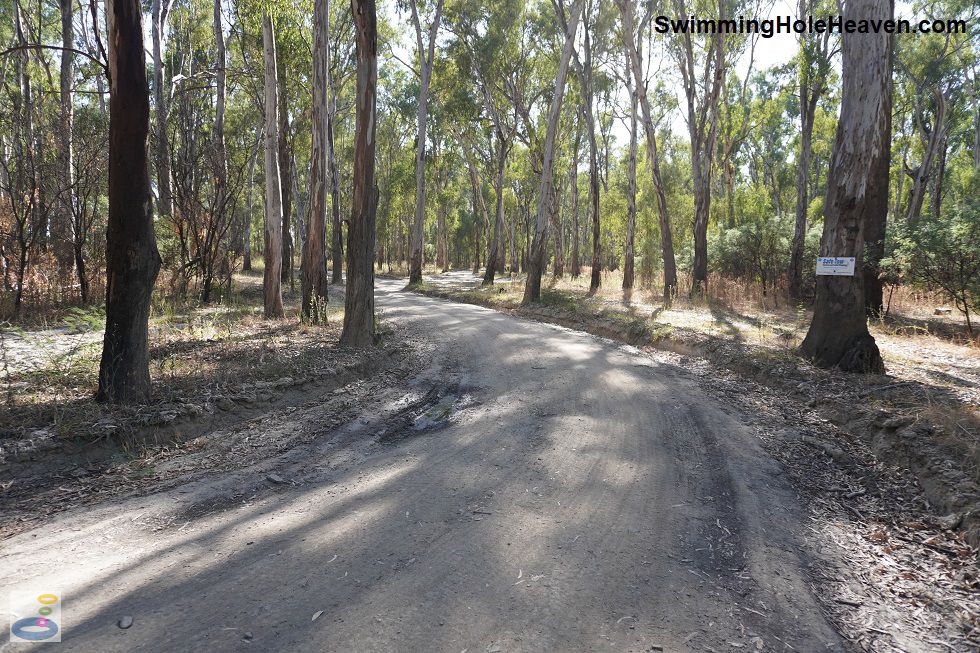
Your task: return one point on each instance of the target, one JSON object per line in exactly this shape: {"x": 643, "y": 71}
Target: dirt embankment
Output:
{"x": 188, "y": 431}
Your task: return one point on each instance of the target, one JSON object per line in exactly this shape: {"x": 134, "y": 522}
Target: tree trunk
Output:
{"x": 933, "y": 138}
{"x": 573, "y": 191}
{"x": 539, "y": 245}
{"x": 666, "y": 235}
{"x": 702, "y": 120}
{"x": 426, "y": 60}
{"x": 132, "y": 260}
{"x": 857, "y": 195}
{"x": 359, "y": 302}
{"x": 808, "y": 105}
{"x": 313, "y": 280}
{"x": 631, "y": 195}
{"x": 286, "y": 173}
{"x": 247, "y": 227}
{"x": 496, "y": 252}
{"x": 160, "y": 10}
{"x": 272, "y": 283}
{"x": 585, "y": 81}
{"x": 221, "y": 154}
{"x": 62, "y": 234}
{"x": 559, "y": 264}
{"x": 336, "y": 226}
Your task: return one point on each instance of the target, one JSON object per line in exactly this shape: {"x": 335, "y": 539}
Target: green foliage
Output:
{"x": 944, "y": 255}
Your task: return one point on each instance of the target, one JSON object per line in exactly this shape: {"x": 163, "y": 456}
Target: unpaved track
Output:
{"x": 582, "y": 497}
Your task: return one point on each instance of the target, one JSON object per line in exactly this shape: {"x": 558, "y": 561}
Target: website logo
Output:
{"x": 36, "y": 615}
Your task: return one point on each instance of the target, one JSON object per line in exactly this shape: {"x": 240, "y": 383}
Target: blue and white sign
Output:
{"x": 835, "y": 266}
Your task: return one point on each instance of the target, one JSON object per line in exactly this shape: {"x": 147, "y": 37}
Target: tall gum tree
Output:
{"x": 539, "y": 244}
{"x": 132, "y": 259}
{"x": 426, "y": 54}
{"x": 814, "y": 70}
{"x": 358, "y": 330}
{"x": 272, "y": 283}
{"x": 703, "y": 79}
{"x": 630, "y": 39}
{"x": 313, "y": 265}
{"x": 857, "y": 195}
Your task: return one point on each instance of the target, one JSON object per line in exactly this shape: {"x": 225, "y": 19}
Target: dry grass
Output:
{"x": 49, "y": 376}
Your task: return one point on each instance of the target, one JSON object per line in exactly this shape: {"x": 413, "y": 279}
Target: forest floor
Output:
{"x": 479, "y": 482}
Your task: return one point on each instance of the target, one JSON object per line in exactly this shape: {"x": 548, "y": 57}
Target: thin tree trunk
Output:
{"x": 62, "y": 235}
{"x": 272, "y": 283}
{"x": 359, "y": 302}
{"x": 666, "y": 235}
{"x": 160, "y": 9}
{"x": 132, "y": 260}
{"x": 808, "y": 105}
{"x": 631, "y": 194}
{"x": 286, "y": 173}
{"x": 556, "y": 224}
{"x": 247, "y": 227}
{"x": 336, "y": 226}
{"x": 539, "y": 245}
{"x": 857, "y": 195}
{"x": 573, "y": 191}
{"x": 496, "y": 252}
{"x": 426, "y": 60}
{"x": 314, "y": 279}
{"x": 221, "y": 154}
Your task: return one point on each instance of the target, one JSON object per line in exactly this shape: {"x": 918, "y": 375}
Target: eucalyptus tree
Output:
{"x": 703, "y": 65}
{"x": 313, "y": 266}
{"x": 272, "y": 283}
{"x": 426, "y": 56}
{"x": 584, "y": 71}
{"x": 132, "y": 260}
{"x": 857, "y": 195}
{"x": 632, "y": 39}
{"x": 491, "y": 46}
{"x": 536, "y": 257}
{"x": 814, "y": 74}
{"x": 160, "y": 10}
{"x": 358, "y": 330}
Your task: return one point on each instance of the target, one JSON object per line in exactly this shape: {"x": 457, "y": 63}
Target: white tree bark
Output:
{"x": 272, "y": 285}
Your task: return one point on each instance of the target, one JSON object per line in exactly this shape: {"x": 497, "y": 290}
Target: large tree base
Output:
{"x": 858, "y": 354}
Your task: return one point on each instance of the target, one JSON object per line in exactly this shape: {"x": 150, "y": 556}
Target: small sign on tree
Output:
{"x": 835, "y": 266}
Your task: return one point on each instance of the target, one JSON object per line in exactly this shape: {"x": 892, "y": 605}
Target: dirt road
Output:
{"x": 535, "y": 489}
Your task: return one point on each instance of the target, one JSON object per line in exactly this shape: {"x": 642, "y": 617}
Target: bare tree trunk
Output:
{"x": 558, "y": 270}
{"x": 247, "y": 227}
{"x": 160, "y": 10}
{"x": 631, "y": 194}
{"x": 336, "y": 226}
{"x": 937, "y": 184}
{"x": 702, "y": 119}
{"x": 857, "y": 195}
{"x": 221, "y": 153}
{"x": 573, "y": 191}
{"x": 359, "y": 302}
{"x": 666, "y": 235}
{"x": 585, "y": 81}
{"x": 272, "y": 283}
{"x": 495, "y": 254}
{"x": 286, "y": 173}
{"x": 426, "y": 60}
{"x": 313, "y": 283}
{"x": 933, "y": 138}
{"x": 539, "y": 246}
{"x": 132, "y": 260}
{"x": 62, "y": 232}
{"x": 478, "y": 199}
